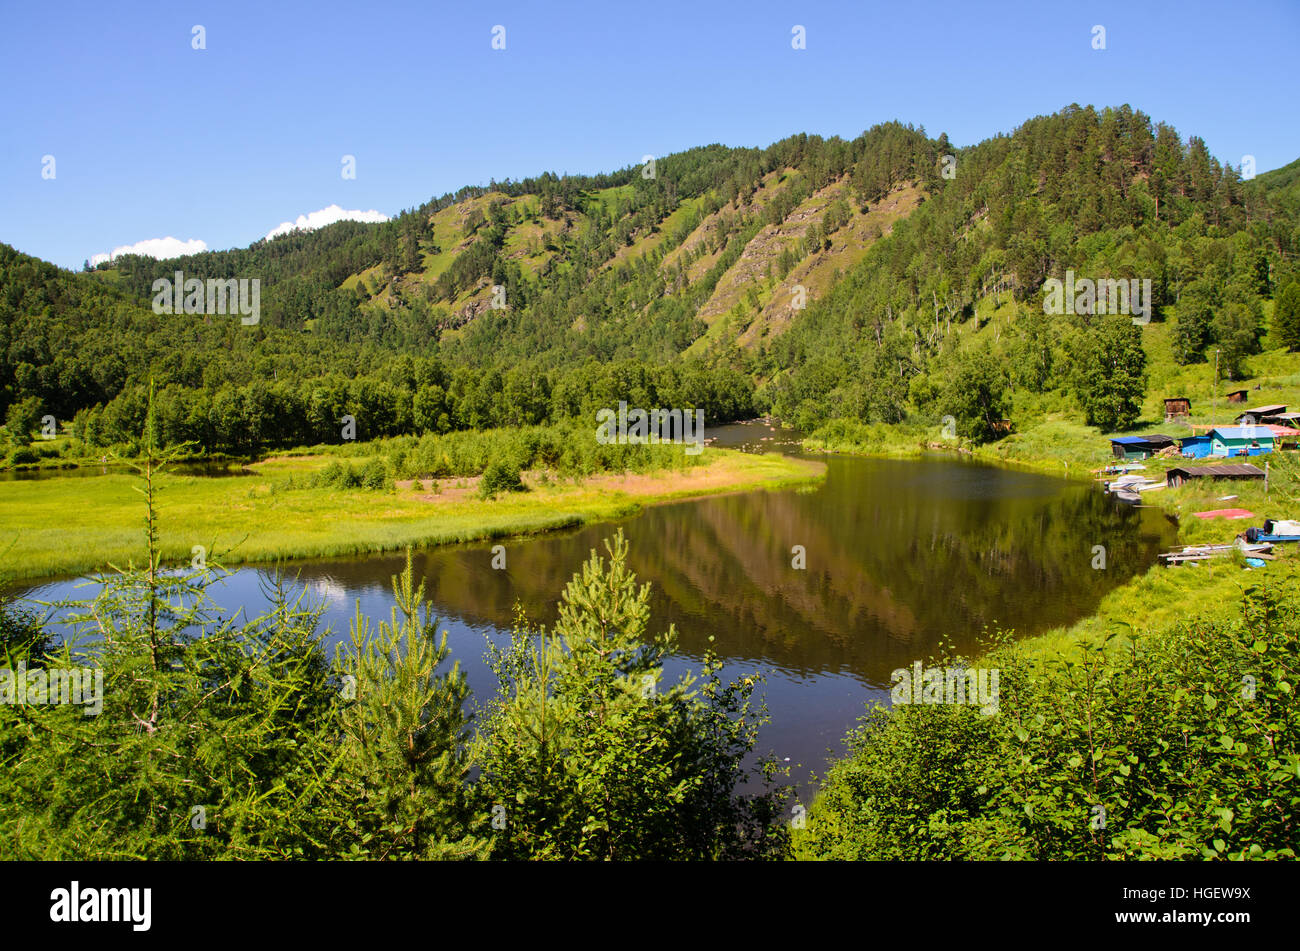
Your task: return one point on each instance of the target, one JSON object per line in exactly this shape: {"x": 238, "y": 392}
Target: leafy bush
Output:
{"x": 1183, "y": 746}
{"x": 374, "y": 475}
{"x": 336, "y": 475}
{"x": 569, "y": 449}
{"x": 500, "y": 476}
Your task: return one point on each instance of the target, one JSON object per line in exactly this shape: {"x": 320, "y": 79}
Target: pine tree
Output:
{"x": 1191, "y": 330}
{"x": 1111, "y": 376}
{"x": 1286, "y": 316}
{"x": 402, "y": 777}
{"x": 585, "y": 755}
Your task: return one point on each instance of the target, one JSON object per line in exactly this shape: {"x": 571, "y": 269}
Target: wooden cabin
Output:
{"x": 1177, "y": 407}
{"x": 1243, "y": 470}
{"x": 1139, "y": 447}
{"x": 1238, "y": 396}
{"x": 1263, "y": 415}
{"x": 1240, "y": 440}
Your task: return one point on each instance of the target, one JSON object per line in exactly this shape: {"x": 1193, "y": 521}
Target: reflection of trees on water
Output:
{"x": 899, "y": 556}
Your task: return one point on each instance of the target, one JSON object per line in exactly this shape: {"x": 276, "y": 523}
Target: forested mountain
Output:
{"x": 1106, "y": 194}
{"x": 681, "y": 282}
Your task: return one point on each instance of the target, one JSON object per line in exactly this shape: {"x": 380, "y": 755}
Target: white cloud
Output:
{"x": 160, "y": 248}
{"x": 326, "y": 216}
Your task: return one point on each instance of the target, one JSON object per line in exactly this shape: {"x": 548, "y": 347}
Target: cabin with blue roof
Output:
{"x": 1139, "y": 447}
{"x": 1240, "y": 440}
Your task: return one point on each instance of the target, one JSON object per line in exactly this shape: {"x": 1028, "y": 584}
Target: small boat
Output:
{"x": 1134, "y": 483}
{"x": 1275, "y": 531}
{"x": 1225, "y": 513}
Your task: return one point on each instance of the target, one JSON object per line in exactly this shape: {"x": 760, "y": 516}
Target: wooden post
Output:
{"x": 1266, "y": 477}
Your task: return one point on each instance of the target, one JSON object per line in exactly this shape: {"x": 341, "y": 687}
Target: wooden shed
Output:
{"x": 1241, "y": 440}
{"x": 1139, "y": 447}
{"x": 1262, "y": 415}
{"x": 1238, "y": 396}
{"x": 1243, "y": 470}
{"x": 1176, "y": 407}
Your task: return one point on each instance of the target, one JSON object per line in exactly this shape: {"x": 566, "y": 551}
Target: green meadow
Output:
{"x": 65, "y": 525}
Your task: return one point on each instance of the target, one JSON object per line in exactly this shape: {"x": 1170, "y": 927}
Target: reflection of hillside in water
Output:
{"x": 900, "y": 554}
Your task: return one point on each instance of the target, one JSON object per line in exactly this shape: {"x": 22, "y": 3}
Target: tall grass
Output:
{"x": 66, "y": 525}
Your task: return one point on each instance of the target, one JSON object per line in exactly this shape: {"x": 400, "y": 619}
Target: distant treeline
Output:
{"x": 412, "y": 396}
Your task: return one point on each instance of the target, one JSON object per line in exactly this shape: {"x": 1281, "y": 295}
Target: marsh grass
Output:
{"x": 64, "y": 525}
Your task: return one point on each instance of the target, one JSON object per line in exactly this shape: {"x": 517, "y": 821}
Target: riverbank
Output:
{"x": 1167, "y": 711}
{"x": 64, "y": 526}
{"x": 1154, "y": 602}
{"x": 1147, "y": 603}
{"x": 1054, "y": 446}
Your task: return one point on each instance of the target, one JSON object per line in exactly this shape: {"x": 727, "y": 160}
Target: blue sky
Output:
{"x": 152, "y": 138}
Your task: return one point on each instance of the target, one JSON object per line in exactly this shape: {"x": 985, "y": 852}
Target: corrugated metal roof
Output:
{"x": 1264, "y": 410}
{"x": 1197, "y": 472}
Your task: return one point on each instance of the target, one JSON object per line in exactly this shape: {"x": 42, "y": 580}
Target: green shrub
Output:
{"x": 1184, "y": 746}
{"x": 332, "y": 475}
{"x": 500, "y": 476}
{"x": 374, "y": 475}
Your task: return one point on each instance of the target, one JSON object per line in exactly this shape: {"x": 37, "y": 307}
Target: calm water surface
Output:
{"x": 901, "y": 555}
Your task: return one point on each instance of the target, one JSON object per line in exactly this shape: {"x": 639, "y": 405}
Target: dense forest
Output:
{"x": 1106, "y": 194}
{"x": 536, "y": 302}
